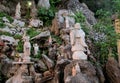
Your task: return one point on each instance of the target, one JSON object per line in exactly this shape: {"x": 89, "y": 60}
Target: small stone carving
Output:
{"x": 67, "y": 22}
{"x": 73, "y": 71}
{"x": 18, "y": 12}
{"x": 77, "y": 37}
{"x": 77, "y": 67}
{"x": 65, "y": 15}
{"x": 35, "y": 23}
{"x": 27, "y": 49}
{"x": 50, "y": 40}
{"x": 36, "y": 49}
{"x": 55, "y": 26}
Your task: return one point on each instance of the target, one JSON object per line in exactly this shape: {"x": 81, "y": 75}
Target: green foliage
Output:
{"x": 57, "y": 39}
{"x": 19, "y": 48}
{"x": 32, "y": 32}
{"x": 8, "y": 34}
{"x": 54, "y": 3}
{"x": 39, "y": 55}
{"x": 46, "y": 15}
{"x": 104, "y": 16}
{"x": 17, "y": 36}
{"x": 116, "y": 6}
{"x": 108, "y": 40}
{"x": 79, "y": 17}
{"x": 4, "y": 15}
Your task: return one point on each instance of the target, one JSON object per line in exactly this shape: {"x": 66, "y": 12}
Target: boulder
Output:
{"x": 8, "y": 39}
{"x": 6, "y": 66}
{"x": 50, "y": 64}
{"x": 18, "y": 23}
{"x": 87, "y": 74}
{"x": 40, "y": 64}
{"x": 76, "y": 6}
{"x": 112, "y": 71}
{"x": 44, "y": 4}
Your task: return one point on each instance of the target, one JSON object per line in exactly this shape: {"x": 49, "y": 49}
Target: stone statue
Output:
{"x": 50, "y": 40}
{"x": 67, "y": 22}
{"x": 18, "y": 12}
{"x": 77, "y": 39}
{"x": 35, "y": 23}
{"x": 36, "y": 49}
{"x": 27, "y": 48}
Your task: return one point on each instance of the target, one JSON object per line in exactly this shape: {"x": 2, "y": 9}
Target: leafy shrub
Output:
{"x": 106, "y": 39}
{"x": 79, "y": 17}
{"x": 4, "y": 15}
{"x": 57, "y": 39}
{"x": 32, "y": 32}
{"x": 46, "y": 15}
{"x": 20, "y": 46}
{"x": 54, "y": 3}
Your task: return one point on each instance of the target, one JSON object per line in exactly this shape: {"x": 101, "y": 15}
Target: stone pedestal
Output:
{"x": 24, "y": 74}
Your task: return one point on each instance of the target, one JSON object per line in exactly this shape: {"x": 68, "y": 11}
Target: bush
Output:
{"x": 4, "y": 15}
{"x": 46, "y": 15}
{"x": 106, "y": 37}
{"x": 32, "y": 32}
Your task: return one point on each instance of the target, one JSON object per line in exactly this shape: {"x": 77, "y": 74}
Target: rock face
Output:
{"x": 112, "y": 71}
{"x": 87, "y": 74}
{"x": 9, "y": 39}
{"x": 6, "y": 66}
{"x": 76, "y": 6}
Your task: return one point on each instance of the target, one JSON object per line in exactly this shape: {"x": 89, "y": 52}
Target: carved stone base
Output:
{"x": 79, "y": 55}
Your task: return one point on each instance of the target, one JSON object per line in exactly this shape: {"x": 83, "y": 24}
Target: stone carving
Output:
{"x": 44, "y": 3}
{"x": 55, "y": 26}
{"x": 18, "y": 12}
{"x": 62, "y": 18}
{"x": 77, "y": 38}
{"x": 36, "y": 49}
{"x": 50, "y": 40}
{"x": 35, "y": 23}
{"x": 65, "y": 15}
{"x": 33, "y": 13}
{"x": 27, "y": 48}
{"x": 75, "y": 69}
{"x": 67, "y": 22}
